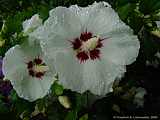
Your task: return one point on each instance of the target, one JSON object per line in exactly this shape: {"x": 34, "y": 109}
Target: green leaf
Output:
{"x": 72, "y": 115}
{"x": 120, "y": 3}
{"x": 55, "y": 111}
{"x": 81, "y": 101}
{"x": 8, "y": 116}
{"x": 57, "y": 89}
{"x": 14, "y": 96}
{"x": 148, "y": 44}
{"x": 136, "y": 22}
{"x": 43, "y": 11}
{"x": 102, "y": 108}
{"x": 26, "y": 114}
{"x": 41, "y": 103}
{"x": 3, "y": 108}
{"x": 124, "y": 11}
{"x": 21, "y": 105}
{"x": 149, "y": 6}
{"x": 84, "y": 117}
{"x": 26, "y": 118}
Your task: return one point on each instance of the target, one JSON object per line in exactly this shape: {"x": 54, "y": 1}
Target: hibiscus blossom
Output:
{"x": 29, "y": 71}
{"x": 90, "y": 46}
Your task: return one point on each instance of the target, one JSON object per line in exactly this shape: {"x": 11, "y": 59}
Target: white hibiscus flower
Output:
{"x": 31, "y": 24}
{"x": 29, "y": 71}
{"x": 90, "y": 46}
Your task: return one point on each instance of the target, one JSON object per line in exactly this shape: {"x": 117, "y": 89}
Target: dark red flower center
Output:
{"x": 36, "y": 68}
{"x": 87, "y": 47}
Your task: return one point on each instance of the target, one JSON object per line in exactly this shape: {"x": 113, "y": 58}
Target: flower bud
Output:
{"x": 64, "y": 101}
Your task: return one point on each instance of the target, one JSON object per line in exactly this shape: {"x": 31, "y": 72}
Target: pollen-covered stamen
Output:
{"x": 40, "y": 68}
{"x": 37, "y": 68}
{"x": 89, "y": 45}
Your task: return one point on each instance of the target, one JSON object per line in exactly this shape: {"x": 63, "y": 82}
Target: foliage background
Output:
{"x": 140, "y": 15}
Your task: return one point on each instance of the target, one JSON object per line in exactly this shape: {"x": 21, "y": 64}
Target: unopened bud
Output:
{"x": 156, "y": 33}
{"x": 2, "y": 42}
{"x": 64, "y": 100}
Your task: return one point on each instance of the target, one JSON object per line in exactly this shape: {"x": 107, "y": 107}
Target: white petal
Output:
{"x": 121, "y": 48}
{"x": 32, "y": 89}
{"x": 103, "y": 20}
{"x": 59, "y": 29}
{"x": 100, "y": 19}
{"x": 14, "y": 59}
{"x": 99, "y": 75}
{"x": 70, "y": 71}
{"x": 84, "y": 13}
{"x": 95, "y": 76}
{"x": 63, "y": 25}
{"x": 30, "y": 51}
